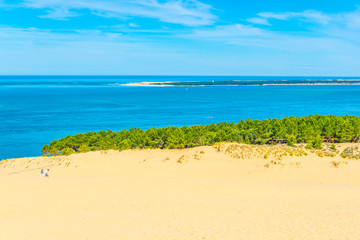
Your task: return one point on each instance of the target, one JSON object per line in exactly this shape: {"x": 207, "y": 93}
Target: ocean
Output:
{"x": 34, "y": 110}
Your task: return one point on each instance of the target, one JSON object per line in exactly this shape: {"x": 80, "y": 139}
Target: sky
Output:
{"x": 180, "y": 37}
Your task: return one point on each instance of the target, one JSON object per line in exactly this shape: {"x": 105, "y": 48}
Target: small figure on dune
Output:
{"x": 42, "y": 173}
{"x": 47, "y": 173}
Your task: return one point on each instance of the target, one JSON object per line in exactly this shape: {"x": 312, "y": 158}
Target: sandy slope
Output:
{"x": 199, "y": 193}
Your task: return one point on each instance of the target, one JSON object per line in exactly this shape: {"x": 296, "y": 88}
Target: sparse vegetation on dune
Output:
{"x": 276, "y": 154}
{"x": 336, "y": 164}
{"x": 281, "y": 154}
{"x": 312, "y": 131}
{"x": 243, "y": 151}
{"x": 351, "y": 152}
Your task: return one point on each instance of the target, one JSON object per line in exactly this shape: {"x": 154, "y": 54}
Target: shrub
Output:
{"x": 54, "y": 151}
{"x": 291, "y": 140}
{"x": 315, "y": 143}
{"x": 67, "y": 151}
{"x": 333, "y": 147}
{"x": 335, "y": 164}
{"x": 84, "y": 148}
{"x": 124, "y": 145}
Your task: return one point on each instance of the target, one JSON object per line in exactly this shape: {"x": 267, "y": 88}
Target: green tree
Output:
{"x": 290, "y": 140}
{"x": 84, "y": 148}
{"x": 67, "y": 151}
{"x": 315, "y": 143}
{"x": 333, "y": 147}
{"x": 54, "y": 151}
{"x": 125, "y": 145}
{"x": 292, "y": 130}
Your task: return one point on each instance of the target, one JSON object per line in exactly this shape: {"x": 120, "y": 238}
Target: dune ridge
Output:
{"x": 227, "y": 191}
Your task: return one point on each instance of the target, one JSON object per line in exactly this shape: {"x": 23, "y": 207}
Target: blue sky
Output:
{"x": 180, "y": 37}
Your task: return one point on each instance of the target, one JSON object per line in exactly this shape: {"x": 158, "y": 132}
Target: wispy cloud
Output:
{"x": 339, "y": 26}
{"x": 352, "y": 19}
{"x": 16, "y": 37}
{"x": 321, "y": 51}
{"x": 138, "y": 30}
{"x": 347, "y": 19}
{"x": 42, "y": 51}
{"x": 257, "y": 20}
{"x": 226, "y": 31}
{"x": 59, "y": 14}
{"x": 309, "y": 15}
{"x": 328, "y": 33}
{"x": 4, "y": 5}
{"x": 185, "y": 12}
{"x": 306, "y": 42}
{"x": 133, "y": 25}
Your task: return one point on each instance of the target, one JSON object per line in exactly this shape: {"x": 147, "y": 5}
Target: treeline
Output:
{"x": 312, "y": 130}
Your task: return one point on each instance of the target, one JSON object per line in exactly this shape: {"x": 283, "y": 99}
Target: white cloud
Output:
{"x": 349, "y": 20}
{"x": 328, "y": 45}
{"x": 59, "y": 14}
{"x": 344, "y": 25}
{"x": 235, "y": 30}
{"x": 133, "y": 25}
{"x": 260, "y": 21}
{"x": 324, "y": 39}
{"x": 10, "y": 36}
{"x": 309, "y": 15}
{"x": 131, "y": 28}
{"x": 352, "y": 19}
{"x": 41, "y": 51}
{"x": 270, "y": 15}
{"x": 316, "y": 16}
{"x": 3, "y": 4}
{"x": 185, "y": 12}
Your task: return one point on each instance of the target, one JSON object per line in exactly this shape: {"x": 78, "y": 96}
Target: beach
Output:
{"x": 226, "y": 191}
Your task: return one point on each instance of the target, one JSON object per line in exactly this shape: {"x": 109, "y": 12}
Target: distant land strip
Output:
{"x": 247, "y": 83}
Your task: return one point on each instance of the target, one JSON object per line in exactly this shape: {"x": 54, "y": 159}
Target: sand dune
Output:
{"x": 229, "y": 191}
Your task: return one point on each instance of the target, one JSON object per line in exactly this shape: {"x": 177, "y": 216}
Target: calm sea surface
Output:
{"x": 35, "y": 110}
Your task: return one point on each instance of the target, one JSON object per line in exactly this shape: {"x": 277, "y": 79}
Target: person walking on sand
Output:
{"x": 47, "y": 173}
{"x": 42, "y": 173}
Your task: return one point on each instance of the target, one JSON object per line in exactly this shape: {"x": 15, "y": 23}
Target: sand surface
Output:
{"x": 228, "y": 192}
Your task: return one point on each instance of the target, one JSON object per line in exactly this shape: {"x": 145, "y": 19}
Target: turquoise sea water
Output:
{"x": 35, "y": 110}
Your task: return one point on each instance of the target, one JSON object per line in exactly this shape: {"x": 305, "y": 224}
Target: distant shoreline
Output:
{"x": 234, "y": 83}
